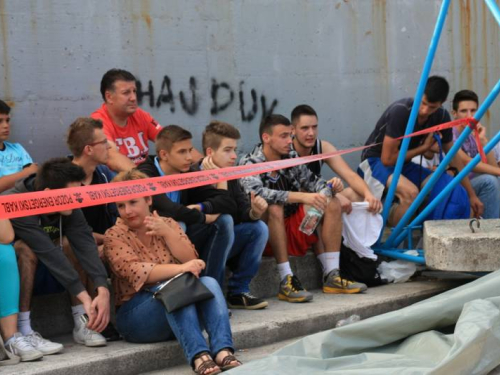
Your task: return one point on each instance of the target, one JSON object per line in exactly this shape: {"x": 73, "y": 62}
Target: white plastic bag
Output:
{"x": 398, "y": 271}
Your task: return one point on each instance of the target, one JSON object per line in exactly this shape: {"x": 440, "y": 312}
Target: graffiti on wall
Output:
{"x": 222, "y": 96}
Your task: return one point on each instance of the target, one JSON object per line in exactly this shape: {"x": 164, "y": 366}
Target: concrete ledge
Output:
{"x": 51, "y": 314}
{"x": 450, "y": 245}
{"x": 281, "y": 321}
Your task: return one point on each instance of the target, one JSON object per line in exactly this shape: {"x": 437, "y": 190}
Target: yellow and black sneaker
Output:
{"x": 333, "y": 283}
{"x": 292, "y": 291}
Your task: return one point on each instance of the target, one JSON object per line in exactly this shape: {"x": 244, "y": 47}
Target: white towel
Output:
{"x": 361, "y": 229}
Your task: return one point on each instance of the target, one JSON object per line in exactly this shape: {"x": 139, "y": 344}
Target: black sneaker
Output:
{"x": 246, "y": 301}
{"x": 110, "y": 333}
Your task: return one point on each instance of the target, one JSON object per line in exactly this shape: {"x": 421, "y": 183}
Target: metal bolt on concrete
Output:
{"x": 450, "y": 245}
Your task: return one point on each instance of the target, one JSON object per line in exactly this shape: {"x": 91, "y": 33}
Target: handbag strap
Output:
{"x": 162, "y": 284}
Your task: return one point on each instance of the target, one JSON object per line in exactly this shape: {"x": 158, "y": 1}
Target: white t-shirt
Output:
{"x": 427, "y": 163}
{"x": 496, "y": 151}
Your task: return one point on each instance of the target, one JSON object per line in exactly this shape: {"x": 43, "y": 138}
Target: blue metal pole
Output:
{"x": 400, "y": 229}
{"x": 414, "y": 111}
{"x": 465, "y": 171}
{"x": 494, "y": 9}
{"x": 397, "y": 254}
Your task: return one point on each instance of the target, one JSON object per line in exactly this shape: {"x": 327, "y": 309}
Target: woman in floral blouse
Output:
{"x": 144, "y": 249}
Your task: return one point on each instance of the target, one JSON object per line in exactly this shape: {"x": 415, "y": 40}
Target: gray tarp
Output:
{"x": 457, "y": 332}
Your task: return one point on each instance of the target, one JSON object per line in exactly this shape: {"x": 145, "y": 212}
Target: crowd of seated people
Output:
{"x": 204, "y": 230}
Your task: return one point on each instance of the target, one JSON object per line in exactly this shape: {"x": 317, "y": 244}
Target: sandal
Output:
{"x": 206, "y": 364}
{"x": 226, "y": 363}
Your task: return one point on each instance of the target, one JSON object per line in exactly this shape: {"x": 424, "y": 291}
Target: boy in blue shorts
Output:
{"x": 378, "y": 162}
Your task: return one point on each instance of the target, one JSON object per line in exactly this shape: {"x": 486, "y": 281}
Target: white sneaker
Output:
{"x": 20, "y": 345}
{"x": 83, "y": 335}
{"x": 43, "y": 345}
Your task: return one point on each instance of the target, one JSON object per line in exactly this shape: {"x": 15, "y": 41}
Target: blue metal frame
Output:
{"x": 402, "y": 230}
{"x": 414, "y": 112}
{"x": 495, "y": 10}
{"x": 399, "y": 231}
{"x": 399, "y": 254}
{"x": 466, "y": 170}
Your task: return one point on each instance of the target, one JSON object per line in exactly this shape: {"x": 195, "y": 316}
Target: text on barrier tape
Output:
{"x": 47, "y": 201}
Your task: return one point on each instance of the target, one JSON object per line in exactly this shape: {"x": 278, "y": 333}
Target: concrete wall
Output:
{"x": 235, "y": 60}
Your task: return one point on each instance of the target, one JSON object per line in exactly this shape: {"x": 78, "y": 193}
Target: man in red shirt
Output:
{"x": 127, "y": 127}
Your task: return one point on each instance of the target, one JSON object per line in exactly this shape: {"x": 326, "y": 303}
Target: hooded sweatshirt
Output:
{"x": 31, "y": 230}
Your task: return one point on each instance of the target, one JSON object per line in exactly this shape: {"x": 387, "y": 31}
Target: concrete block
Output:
{"x": 450, "y": 245}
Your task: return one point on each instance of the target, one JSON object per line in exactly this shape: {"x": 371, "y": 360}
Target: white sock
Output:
{"x": 24, "y": 323}
{"x": 329, "y": 262}
{"x": 284, "y": 270}
{"x": 77, "y": 311}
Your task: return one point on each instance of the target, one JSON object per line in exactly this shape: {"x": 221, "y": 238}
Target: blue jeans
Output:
{"x": 213, "y": 242}
{"x": 244, "y": 259}
{"x": 487, "y": 188}
{"x": 144, "y": 319}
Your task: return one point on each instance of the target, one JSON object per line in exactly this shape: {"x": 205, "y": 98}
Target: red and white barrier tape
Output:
{"x": 43, "y": 202}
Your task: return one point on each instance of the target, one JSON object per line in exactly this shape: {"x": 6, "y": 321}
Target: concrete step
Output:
{"x": 281, "y": 321}
{"x": 52, "y": 313}
{"x": 244, "y": 355}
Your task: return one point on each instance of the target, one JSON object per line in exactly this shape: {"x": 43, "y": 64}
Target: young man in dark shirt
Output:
{"x": 63, "y": 243}
{"x": 378, "y": 161}
{"x": 204, "y": 211}
{"x": 90, "y": 148}
{"x": 220, "y": 141}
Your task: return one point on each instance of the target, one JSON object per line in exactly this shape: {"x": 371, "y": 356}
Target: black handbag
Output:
{"x": 180, "y": 291}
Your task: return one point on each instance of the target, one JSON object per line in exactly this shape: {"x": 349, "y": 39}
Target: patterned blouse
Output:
{"x": 131, "y": 262}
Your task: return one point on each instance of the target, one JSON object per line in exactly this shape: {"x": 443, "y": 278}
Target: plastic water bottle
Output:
{"x": 313, "y": 215}
{"x": 352, "y": 319}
